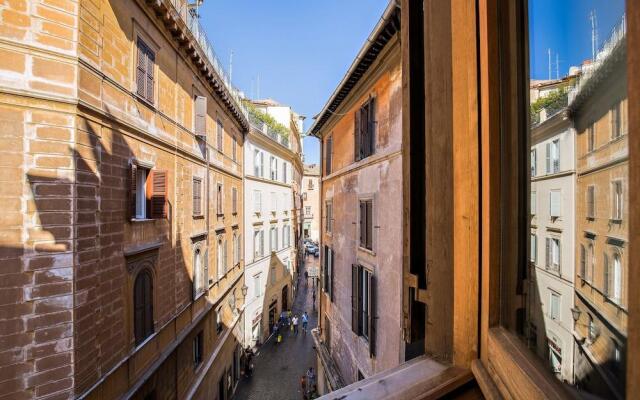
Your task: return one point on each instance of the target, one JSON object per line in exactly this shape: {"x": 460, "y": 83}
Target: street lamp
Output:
{"x": 575, "y": 312}
{"x": 244, "y": 289}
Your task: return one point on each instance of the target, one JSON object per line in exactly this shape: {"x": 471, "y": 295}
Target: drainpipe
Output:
{"x": 207, "y": 221}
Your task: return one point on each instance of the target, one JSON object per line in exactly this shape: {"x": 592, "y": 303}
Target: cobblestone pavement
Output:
{"x": 278, "y": 367}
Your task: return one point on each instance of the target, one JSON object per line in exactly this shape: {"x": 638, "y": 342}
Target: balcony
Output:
{"x": 268, "y": 131}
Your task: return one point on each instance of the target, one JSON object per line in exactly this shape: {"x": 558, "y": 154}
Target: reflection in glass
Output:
{"x": 576, "y": 314}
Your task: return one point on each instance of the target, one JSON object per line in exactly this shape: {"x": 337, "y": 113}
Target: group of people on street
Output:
{"x": 291, "y": 321}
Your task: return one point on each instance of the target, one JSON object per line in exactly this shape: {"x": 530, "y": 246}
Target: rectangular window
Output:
{"x": 533, "y": 162}
{"x": 553, "y": 254}
{"x": 145, "y": 71}
{"x": 273, "y": 168}
{"x": 219, "y": 324}
{"x": 328, "y": 271}
{"x": 591, "y": 198}
{"x": 219, "y": 199}
{"x": 616, "y": 121}
{"x": 256, "y": 163}
{"x": 307, "y": 211}
{"x": 273, "y": 239}
{"x": 284, "y": 172}
{"x": 555, "y": 197}
{"x": 534, "y": 248}
{"x": 234, "y": 149}
{"x": 310, "y": 184}
{"x": 256, "y": 285}
{"x": 366, "y": 224}
{"x": 591, "y": 138}
{"x": 198, "y": 349}
{"x": 363, "y": 303}
{"x": 219, "y": 136}
{"x": 274, "y": 203}
{"x": 257, "y": 201}
{"x": 365, "y": 124}
{"x": 328, "y": 217}
{"x": 234, "y": 200}
{"x": 285, "y": 203}
{"x": 328, "y": 155}
{"x": 197, "y": 196}
{"x": 148, "y": 190}
{"x": 258, "y": 243}
{"x": 534, "y": 203}
{"x": 616, "y": 200}
{"x": 200, "y": 116}
{"x": 554, "y": 307}
{"x": 555, "y": 156}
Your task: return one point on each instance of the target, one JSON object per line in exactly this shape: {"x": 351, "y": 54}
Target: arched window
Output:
{"x": 143, "y": 306}
{"x": 616, "y": 290}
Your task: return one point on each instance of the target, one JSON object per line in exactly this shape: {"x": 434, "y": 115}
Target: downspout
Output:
{"x": 206, "y": 156}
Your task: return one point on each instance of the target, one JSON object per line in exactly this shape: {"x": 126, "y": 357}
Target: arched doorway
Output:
{"x": 285, "y": 298}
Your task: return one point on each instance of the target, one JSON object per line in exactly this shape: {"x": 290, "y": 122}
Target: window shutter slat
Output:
{"x": 159, "y": 195}
{"x": 331, "y": 268}
{"x": 548, "y": 252}
{"x": 354, "y": 298}
{"x": 150, "y": 65}
{"x": 131, "y": 206}
{"x": 201, "y": 114}
{"x": 363, "y": 216}
{"x": 372, "y": 126}
{"x": 356, "y": 135}
{"x": 141, "y": 69}
{"x": 372, "y": 315}
{"x": 548, "y": 159}
{"x": 369, "y": 226}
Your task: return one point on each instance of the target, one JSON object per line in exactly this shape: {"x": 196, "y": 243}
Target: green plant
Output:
{"x": 271, "y": 123}
{"x": 551, "y": 102}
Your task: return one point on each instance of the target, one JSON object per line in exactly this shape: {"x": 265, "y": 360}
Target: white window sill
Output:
{"x": 141, "y": 219}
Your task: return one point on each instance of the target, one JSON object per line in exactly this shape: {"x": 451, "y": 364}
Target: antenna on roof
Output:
{"x": 549, "y": 52}
{"x": 594, "y": 34}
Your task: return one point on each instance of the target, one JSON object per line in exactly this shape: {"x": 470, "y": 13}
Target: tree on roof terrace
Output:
{"x": 272, "y": 125}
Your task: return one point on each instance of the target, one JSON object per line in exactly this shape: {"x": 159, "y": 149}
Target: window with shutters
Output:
{"x": 328, "y": 261}
{"x": 200, "y": 116}
{"x": 555, "y": 156}
{"x": 365, "y": 127}
{"x": 590, "y": 263}
{"x": 234, "y": 148}
{"x": 310, "y": 184}
{"x": 219, "y": 199}
{"x": 555, "y": 197}
{"x": 258, "y": 244}
{"x": 273, "y": 238}
{"x": 147, "y": 193}
{"x": 533, "y": 203}
{"x": 285, "y": 168}
{"x": 328, "y": 215}
{"x": 200, "y": 277}
{"x": 616, "y": 121}
{"x": 219, "y": 136}
{"x": 328, "y": 159}
{"x": 257, "y": 201}
{"x": 534, "y": 163}
{"x": 534, "y": 248}
{"x": 591, "y": 138}
{"x": 583, "y": 262}
{"x": 198, "y": 349}
{"x": 256, "y": 163}
{"x": 143, "y": 306}
{"x": 273, "y": 168}
{"x": 234, "y": 200}
{"x": 145, "y": 70}
{"x": 366, "y": 224}
{"x": 613, "y": 277}
{"x": 222, "y": 256}
{"x": 363, "y": 295}
{"x": 591, "y": 201}
{"x": 616, "y": 200}
{"x": 553, "y": 254}
{"x": 236, "y": 254}
{"x": 274, "y": 203}
{"x": 197, "y": 197}
{"x": 554, "y": 306}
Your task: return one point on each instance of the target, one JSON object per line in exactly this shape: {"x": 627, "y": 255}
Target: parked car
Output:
{"x": 317, "y": 252}
{"x": 311, "y": 249}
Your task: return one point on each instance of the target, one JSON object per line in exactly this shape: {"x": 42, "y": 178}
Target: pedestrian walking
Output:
{"x": 295, "y": 324}
{"x": 311, "y": 378}
{"x": 305, "y": 321}
{"x": 303, "y": 386}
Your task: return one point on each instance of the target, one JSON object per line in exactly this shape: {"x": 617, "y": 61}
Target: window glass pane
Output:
{"x": 574, "y": 300}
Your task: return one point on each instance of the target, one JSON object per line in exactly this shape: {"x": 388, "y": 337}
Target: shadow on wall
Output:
{"x": 80, "y": 274}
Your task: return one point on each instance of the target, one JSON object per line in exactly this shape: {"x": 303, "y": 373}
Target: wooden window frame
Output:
{"x": 146, "y": 47}
{"x": 197, "y": 197}
{"x": 219, "y": 135}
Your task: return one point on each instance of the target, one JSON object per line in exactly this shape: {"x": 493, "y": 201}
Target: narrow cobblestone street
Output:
{"x": 279, "y": 367}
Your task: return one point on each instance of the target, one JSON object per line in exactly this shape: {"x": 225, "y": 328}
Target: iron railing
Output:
{"x": 188, "y": 13}
{"x": 616, "y": 37}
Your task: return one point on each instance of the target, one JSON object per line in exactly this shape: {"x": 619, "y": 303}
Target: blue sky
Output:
{"x": 300, "y": 49}
{"x": 565, "y": 27}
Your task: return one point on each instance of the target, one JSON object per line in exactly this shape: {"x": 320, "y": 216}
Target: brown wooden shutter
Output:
{"x": 369, "y": 225}
{"x": 325, "y": 270}
{"x": 234, "y": 198}
{"x": 356, "y": 135}
{"x": 131, "y": 203}
{"x": 372, "y": 315}
{"x": 197, "y": 197}
{"x": 151, "y": 62}
{"x": 201, "y": 115}
{"x": 363, "y": 217}
{"x": 159, "y": 194}
{"x": 331, "y": 269}
{"x": 354, "y": 299}
{"x": 141, "y": 69}
{"x": 372, "y": 126}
